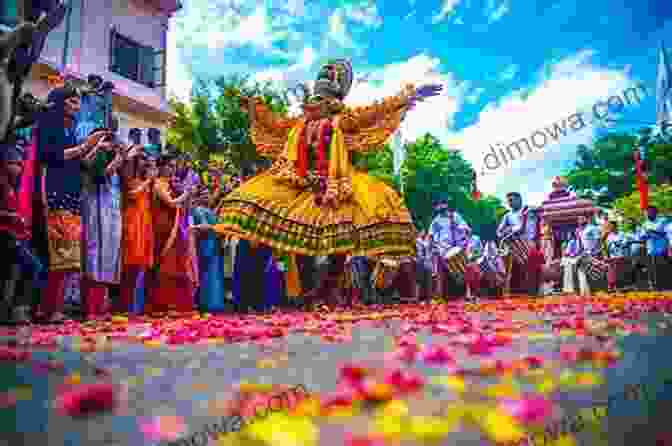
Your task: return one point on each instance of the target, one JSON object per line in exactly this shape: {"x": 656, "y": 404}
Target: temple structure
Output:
{"x": 559, "y": 214}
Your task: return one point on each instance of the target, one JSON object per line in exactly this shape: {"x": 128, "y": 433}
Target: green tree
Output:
{"x": 232, "y": 121}
{"x": 605, "y": 171}
{"x": 213, "y": 124}
{"x": 431, "y": 172}
{"x": 628, "y": 206}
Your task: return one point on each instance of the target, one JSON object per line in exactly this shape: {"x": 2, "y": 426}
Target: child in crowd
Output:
{"x": 19, "y": 266}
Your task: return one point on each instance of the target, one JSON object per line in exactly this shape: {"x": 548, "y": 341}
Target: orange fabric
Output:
{"x": 138, "y": 236}
{"x": 170, "y": 249}
{"x": 171, "y": 287}
{"x": 169, "y": 293}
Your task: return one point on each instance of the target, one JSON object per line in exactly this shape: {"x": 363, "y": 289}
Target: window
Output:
{"x": 8, "y": 12}
{"x": 139, "y": 63}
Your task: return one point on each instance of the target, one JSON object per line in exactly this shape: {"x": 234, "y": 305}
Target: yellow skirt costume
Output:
{"x": 361, "y": 215}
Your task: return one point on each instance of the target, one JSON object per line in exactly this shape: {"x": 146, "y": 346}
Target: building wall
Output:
{"x": 89, "y": 53}
{"x": 89, "y": 42}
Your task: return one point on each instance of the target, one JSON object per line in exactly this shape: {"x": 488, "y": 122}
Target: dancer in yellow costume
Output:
{"x": 312, "y": 201}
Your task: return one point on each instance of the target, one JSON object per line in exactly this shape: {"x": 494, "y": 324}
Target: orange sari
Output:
{"x": 138, "y": 238}
{"x": 172, "y": 284}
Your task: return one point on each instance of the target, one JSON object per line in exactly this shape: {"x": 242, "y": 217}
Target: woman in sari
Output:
{"x": 137, "y": 247}
{"x": 211, "y": 261}
{"x": 173, "y": 279}
{"x": 101, "y": 227}
{"x": 56, "y": 193}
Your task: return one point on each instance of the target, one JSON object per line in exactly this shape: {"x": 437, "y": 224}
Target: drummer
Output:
{"x": 472, "y": 274}
{"x": 493, "y": 271}
{"x": 589, "y": 238}
{"x": 448, "y": 230}
{"x": 618, "y": 251}
{"x": 522, "y": 223}
{"x": 653, "y": 233}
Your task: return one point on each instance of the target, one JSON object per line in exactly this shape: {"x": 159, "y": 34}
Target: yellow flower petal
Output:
{"x": 506, "y": 389}
{"x": 394, "y": 408}
{"x": 452, "y": 382}
{"x": 267, "y": 363}
{"x": 431, "y": 428}
{"x": 564, "y": 440}
{"x": 309, "y": 407}
{"x": 74, "y": 379}
{"x": 500, "y": 427}
{"x": 390, "y": 427}
{"x": 248, "y": 387}
{"x": 279, "y": 430}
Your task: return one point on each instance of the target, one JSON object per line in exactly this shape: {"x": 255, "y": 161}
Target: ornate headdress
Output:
{"x": 334, "y": 79}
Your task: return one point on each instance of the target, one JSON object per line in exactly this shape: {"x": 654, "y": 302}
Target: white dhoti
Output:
{"x": 574, "y": 277}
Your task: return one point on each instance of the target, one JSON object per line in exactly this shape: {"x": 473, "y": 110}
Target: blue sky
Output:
{"x": 509, "y": 67}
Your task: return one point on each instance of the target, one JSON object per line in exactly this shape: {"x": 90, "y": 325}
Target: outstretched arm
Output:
{"x": 369, "y": 128}
{"x": 268, "y": 130}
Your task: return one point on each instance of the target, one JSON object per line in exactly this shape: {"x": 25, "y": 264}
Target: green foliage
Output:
{"x": 628, "y": 206}
{"x": 214, "y": 125}
{"x": 431, "y": 172}
{"x": 605, "y": 171}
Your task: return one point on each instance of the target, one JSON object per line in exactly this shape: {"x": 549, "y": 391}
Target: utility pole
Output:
{"x": 66, "y": 38}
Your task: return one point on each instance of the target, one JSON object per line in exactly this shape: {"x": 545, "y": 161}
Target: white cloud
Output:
{"x": 496, "y": 12}
{"x": 434, "y": 115}
{"x": 522, "y": 113}
{"x": 338, "y": 31}
{"x": 365, "y": 13}
{"x": 178, "y": 78}
{"x": 447, "y": 9}
{"x": 295, "y": 7}
{"x": 253, "y": 29}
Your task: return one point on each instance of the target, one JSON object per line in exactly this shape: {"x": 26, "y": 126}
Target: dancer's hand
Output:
{"x": 423, "y": 92}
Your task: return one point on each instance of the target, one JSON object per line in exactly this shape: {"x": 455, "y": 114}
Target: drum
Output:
{"x": 595, "y": 268}
{"x": 456, "y": 260}
{"x": 384, "y": 273}
{"x": 520, "y": 250}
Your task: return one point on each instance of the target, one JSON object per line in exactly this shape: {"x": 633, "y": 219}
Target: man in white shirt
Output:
{"x": 573, "y": 278}
{"x": 618, "y": 251}
{"x": 521, "y": 222}
{"x": 472, "y": 273}
{"x": 653, "y": 232}
{"x": 448, "y": 230}
{"x": 588, "y": 239}
{"x": 423, "y": 252}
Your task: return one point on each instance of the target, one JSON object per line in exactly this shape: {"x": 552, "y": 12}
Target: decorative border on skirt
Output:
{"x": 249, "y": 221}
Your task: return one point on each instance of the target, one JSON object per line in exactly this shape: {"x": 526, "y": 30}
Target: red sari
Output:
{"x": 173, "y": 281}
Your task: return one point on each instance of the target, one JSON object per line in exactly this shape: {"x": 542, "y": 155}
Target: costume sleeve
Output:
{"x": 269, "y": 131}
{"x": 366, "y": 129}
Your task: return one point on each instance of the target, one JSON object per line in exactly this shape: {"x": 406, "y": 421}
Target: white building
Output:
{"x": 123, "y": 41}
